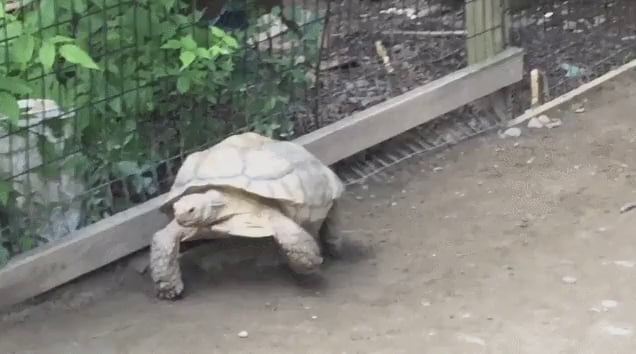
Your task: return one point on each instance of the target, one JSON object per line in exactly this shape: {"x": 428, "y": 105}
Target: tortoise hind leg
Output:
{"x": 299, "y": 246}
{"x": 330, "y": 233}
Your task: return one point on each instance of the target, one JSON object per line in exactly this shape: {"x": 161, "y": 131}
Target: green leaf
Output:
{"x": 189, "y": 43}
{"x": 4, "y": 256}
{"x": 47, "y": 55}
{"x": 15, "y": 85}
{"x": 217, "y": 32}
{"x": 128, "y": 168}
{"x": 183, "y": 84}
{"x": 47, "y": 13}
{"x": 60, "y": 39}
{"x": 80, "y": 6}
{"x": 172, "y": 44}
{"x": 203, "y": 53}
{"x": 186, "y": 59}
{"x": 230, "y": 41}
{"x": 9, "y": 106}
{"x": 77, "y": 55}
{"x": 22, "y": 50}
{"x": 13, "y": 29}
{"x": 5, "y": 191}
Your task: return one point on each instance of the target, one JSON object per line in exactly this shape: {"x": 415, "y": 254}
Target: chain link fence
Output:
{"x": 100, "y": 100}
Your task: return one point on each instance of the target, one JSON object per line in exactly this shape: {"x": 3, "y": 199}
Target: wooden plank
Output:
{"x": 383, "y": 121}
{"x": 101, "y": 243}
{"x": 89, "y": 248}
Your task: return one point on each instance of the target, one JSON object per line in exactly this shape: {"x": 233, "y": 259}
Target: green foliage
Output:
{"x": 145, "y": 80}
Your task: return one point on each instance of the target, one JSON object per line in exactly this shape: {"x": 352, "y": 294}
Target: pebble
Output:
{"x": 535, "y": 123}
{"x": 438, "y": 169}
{"x": 579, "y": 110}
{"x": 314, "y": 317}
{"x": 568, "y": 279}
{"x": 609, "y": 304}
{"x": 513, "y": 132}
{"x": 243, "y": 334}
{"x": 553, "y": 124}
{"x": 471, "y": 339}
{"x": 544, "y": 119}
{"x": 618, "y": 331}
{"x": 626, "y": 264}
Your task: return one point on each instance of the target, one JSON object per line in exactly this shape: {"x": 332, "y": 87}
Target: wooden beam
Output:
{"x": 99, "y": 244}
{"x": 383, "y": 121}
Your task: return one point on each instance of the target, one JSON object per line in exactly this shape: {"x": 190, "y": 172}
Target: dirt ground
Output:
{"x": 515, "y": 246}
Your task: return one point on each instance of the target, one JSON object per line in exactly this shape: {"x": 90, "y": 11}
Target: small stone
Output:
{"x": 568, "y": 279}
{"x": 579, "y": 110}
{"x": 544, "y": 119}
{"x": 394, "y": 204}
{"x": 626, "y": 264}
{"x": 359, "y": 198}
{"x": 535, "y": 123}
{"x": 618, "y": 331}
{"x": 471, "y": 339}
{"x": 609, "y": 304}
{"x": 553, "y": 124}
{"x": 516, "y": 144}
{"x": 438, "y": 169}
{"x": 243, "y": 334}
{"x": 425, "y": 303}
{"x": 513, "y": 132}
{"x": 530, "y": 160}
{"x": 314, "y": 317}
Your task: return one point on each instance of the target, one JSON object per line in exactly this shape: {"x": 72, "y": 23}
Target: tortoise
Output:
{"x": 249, "y": 185}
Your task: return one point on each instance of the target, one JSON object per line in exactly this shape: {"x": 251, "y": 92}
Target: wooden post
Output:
{"x": 487, "y": 27}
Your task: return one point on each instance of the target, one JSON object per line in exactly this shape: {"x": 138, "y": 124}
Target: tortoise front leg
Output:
{"x": 164, "y": 260}
{"x": 300, "y": 247}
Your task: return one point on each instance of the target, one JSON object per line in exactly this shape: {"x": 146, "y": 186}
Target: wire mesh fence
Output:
{"x": 570, "y": 42}
{"x": 101, "y": 100}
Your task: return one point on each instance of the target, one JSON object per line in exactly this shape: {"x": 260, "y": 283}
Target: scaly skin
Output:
{"x": 330, "y": 235}
{"x": 164, "y": 260}
{"x": 301, "y": 249}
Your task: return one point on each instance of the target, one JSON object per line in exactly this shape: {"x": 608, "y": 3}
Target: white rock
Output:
{"x": 535, "y": 123}
{"x": 544, "y": 119}
{"x": 554, "y": 123}
{"x": 618, "y": 331}
{"x": 243, "y": 334}
{"x": 471, "y": 339}
{"x": 609, "y": 304}
{"x": 626, "y": 264}
{"x": 513, "y": 132}
{"x": 568, "y": 279}
{"x": 314, "y": 317}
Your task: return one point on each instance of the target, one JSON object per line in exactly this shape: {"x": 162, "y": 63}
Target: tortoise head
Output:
{"x": 198, "y": 209}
